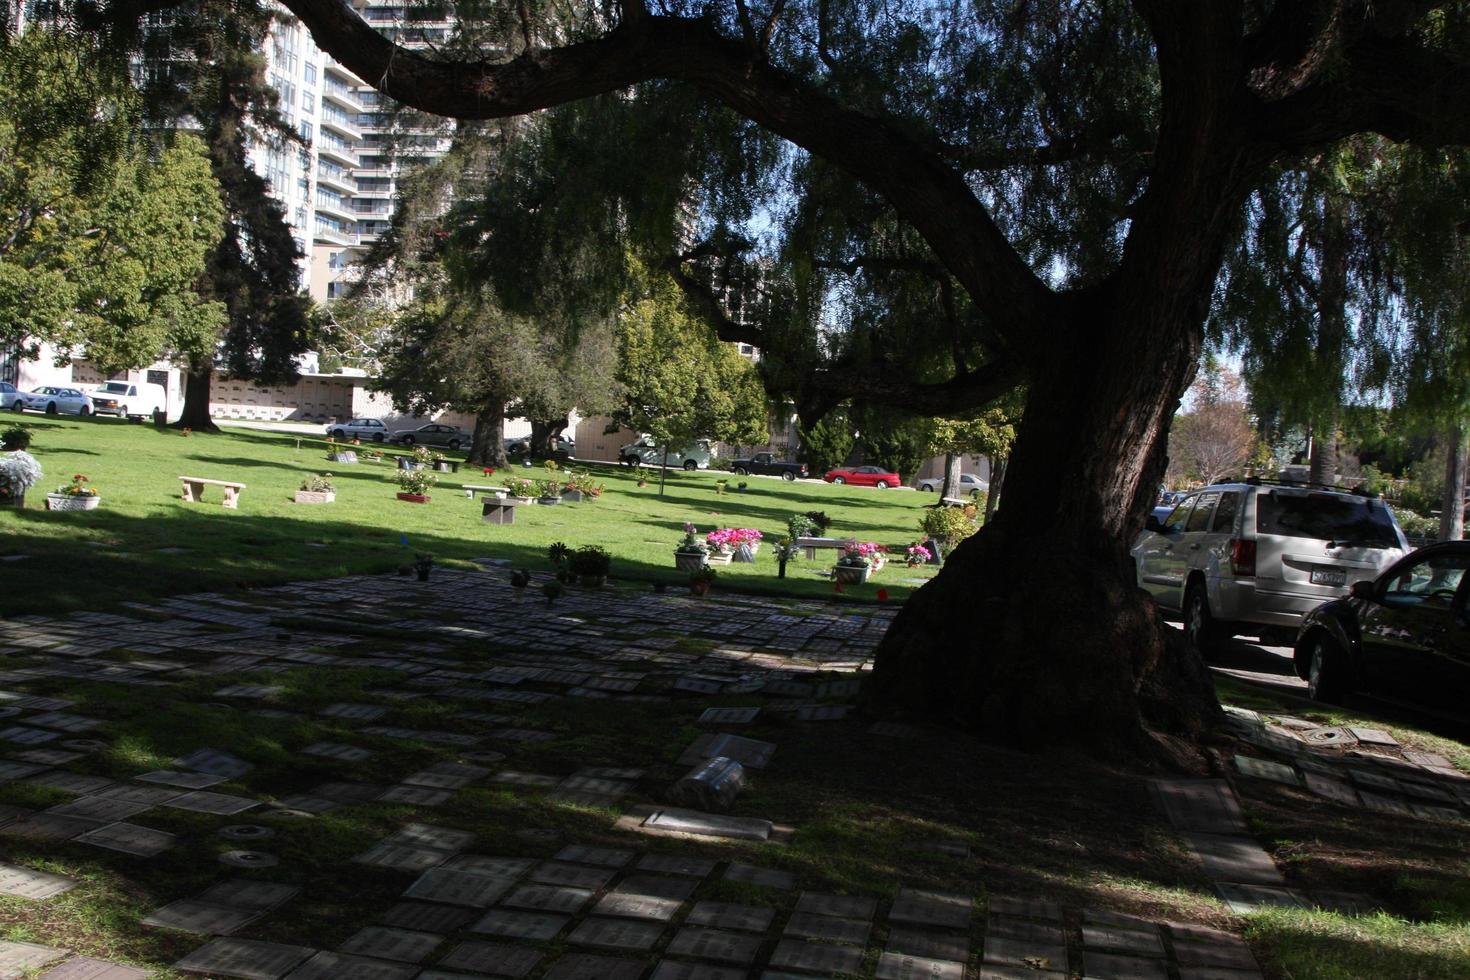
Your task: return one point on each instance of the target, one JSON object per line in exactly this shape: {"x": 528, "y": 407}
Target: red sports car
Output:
{"x": 865, "y": 476}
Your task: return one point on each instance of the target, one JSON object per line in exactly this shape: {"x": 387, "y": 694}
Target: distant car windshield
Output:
{"x": 115, "y": 388}
{"x": 1326, "y": 517}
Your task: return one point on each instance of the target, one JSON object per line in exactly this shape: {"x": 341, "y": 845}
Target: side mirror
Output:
{"x": 1363, "y": 590}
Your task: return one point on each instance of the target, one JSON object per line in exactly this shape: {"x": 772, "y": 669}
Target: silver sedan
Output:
{"x": 55, "y": 401}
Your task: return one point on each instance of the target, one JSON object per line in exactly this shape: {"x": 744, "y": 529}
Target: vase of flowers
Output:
{"x": 855, "y": 565}
{"x": 735, "y": 543}
{"x": 917, "y": 555}
{"x": 19, "y": 471}
{"x": 590, "y": 564}
{"x": 317, "y": 490}
{"x": 701, "y": 579}
{"x": 522, "y": 490}
{"x": 548, "y": 492}
{"x": 414, "y": 484}
{"x": 79, "y": 494}
{"x": 691, "y": 555}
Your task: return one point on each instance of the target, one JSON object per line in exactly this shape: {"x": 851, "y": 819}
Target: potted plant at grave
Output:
{"x": 16, "y": 438}
{"x": 916, "y": 555}
{"x": 701, "y": 579}
{"x": 19, "y": 471}
{"x": 854, "y": 566}
{"x": 691, "y": 555}
{"x": 441, "y": 462}
{"x": 316, "y": 490}
{"x": 372, "y": 455}
{"x": 590, "y": 564}
{"x": 423, "y": 564}
{"x": 640, "y": 474}
{"x": 413, "y": 485}
{"x": 548, "y": 492}
{"x": 76, "y": 495}
{"x": 949, "y": 525}
{"x": 820, "y": 519}
{"x": 521, "y": 489}
{"x": 558, "y": 553}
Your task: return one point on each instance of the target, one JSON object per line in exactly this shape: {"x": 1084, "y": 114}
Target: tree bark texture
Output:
{"x": 488, "y": 447}
{"x": 542, "y": 432}
{"x": 195, "y": 413}
{"x": 997, "y": 484}
{"x": 1452, "y": 512}
{"x": 1034, "y": 632}
{"x": 951, "y": 485}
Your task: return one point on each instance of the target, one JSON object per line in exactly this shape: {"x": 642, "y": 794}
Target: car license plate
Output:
{"x": 1329, "y": 576}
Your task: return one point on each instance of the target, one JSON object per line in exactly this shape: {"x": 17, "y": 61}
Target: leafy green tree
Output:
{"x": 103, "y": 235}
{"x": 990, "y": 434}
{"x": 827, "y": 442}
{"x": 681, "y": 382}
{"x": 969, "y": 198}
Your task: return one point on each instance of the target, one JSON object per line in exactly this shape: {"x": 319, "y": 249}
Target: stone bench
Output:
{"x": 812, "y": 544}
{"x": 956, "y": 502}
{"x": 471, "y": 488}
{"x": 194, "y": 490}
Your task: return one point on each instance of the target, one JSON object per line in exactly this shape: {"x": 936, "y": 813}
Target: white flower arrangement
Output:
{"x": 19, "y": 471}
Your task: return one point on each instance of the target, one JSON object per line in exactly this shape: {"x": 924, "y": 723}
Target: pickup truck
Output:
{"x": 766, "y": 464}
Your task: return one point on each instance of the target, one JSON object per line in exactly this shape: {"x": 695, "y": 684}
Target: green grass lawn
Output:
{"x": 91, "y": 560}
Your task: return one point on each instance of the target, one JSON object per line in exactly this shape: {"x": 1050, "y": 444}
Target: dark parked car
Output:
{"x": 1405, "y": 635}
{"x": 434, "y": 434}
{"x": 766, "y": 464}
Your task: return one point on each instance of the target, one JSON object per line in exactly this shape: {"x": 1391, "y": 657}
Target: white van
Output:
{"x": 124, "y": 398}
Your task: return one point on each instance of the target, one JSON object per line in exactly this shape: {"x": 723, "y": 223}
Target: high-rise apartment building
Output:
{"x": 338, "y": 183}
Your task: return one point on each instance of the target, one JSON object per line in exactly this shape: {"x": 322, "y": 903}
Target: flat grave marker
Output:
{"x": 205, "y": 918}
{"x": 513, "y": 924}
{"x": 383, "y": 942}
{"x": 904, "y": 966}
{"x": 86, "y": 968}
{"x": 618, "y": 934}
{"x": 798, "y": 954}
{"x": 495, "y": 959}
{"x": 247, "y": 959}
{"x": 458, "y": 888}
{"x": 327, "y": 965}
{"x": 715, "y": 944}
{"x": 582, "y": 966}
{"x": 130, "y": 839}
{"x": 16, "y": 958}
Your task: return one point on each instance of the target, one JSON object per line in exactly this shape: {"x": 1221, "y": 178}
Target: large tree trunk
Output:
{"x": 997, "y": 484}
{"x": 488, "y": 448}
{"x": 1452, "y": 513}
{"x": 542, "y": 432}
{"x": 1034, "y": 632}
{"x": 951, "y": 487}
{"x": 195, "y": 414}
{"x": 1322, "y": 464}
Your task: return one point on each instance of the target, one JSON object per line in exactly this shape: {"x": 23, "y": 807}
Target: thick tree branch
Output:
{"x": 922, "y": 187}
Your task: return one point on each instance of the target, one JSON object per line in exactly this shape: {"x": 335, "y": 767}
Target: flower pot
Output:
{"x": 523, "y": 500}
{"x": 721, "y": 558}
{"x": 414, "y": 498}
{"x": 851, "y": 574}
{"x": 689, "y": 561}
{"x": 315, "y": 496}
{"x": 66, "y": 501}
{"x": 548, "y": 501}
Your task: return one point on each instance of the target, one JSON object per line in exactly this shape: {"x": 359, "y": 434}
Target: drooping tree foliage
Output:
{"x": 966, "y": 199}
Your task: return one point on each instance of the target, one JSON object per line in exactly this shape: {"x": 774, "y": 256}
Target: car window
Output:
{"x": 1204, "y": 509}
{"x": 1225, "y": 512}
{"x": 1181, "y": 514}
{"x": 1326, "y": 517}
{"x": 1430, "y": 581}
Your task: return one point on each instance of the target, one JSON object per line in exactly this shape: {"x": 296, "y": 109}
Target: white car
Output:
{"x": 969, "y": 484}
{"x": 11, "y": 397}
{"x": 56, "y": 401}
{"x": 372, "y": 430}
{"x": 695, "y": 457}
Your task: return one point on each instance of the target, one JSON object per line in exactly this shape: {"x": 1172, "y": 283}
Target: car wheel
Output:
{"x": 122, "y": 413}
{"x": 409, "y": 440}
{"x": 338, "y": 434}
{"x": 1199, "y": 624}
{"x": 927, "y": 487}
{"x": 690, "y": 465}
{"x": 788, "y": 476}
{"x": 377, "y": 437}
{"x": 839, "y": 480}
{"x": 17, "y": 406}
{"x": 51, "y": 408}
{"x": 974, "y": 494}
{"x": 453, "y": 443}
{"x": 1325, "y": 668}
{"x": 740, "y": 471}
{"x": 84, "y": 411}
{"x": 881, "y": 484}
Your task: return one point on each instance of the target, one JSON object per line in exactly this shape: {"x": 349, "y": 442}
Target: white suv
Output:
{"x": 1255, "y": 557}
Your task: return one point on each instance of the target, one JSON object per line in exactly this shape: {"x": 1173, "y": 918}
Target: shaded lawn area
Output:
{"x": 1414, "y": 871}
{"x": 93, "y": 559}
